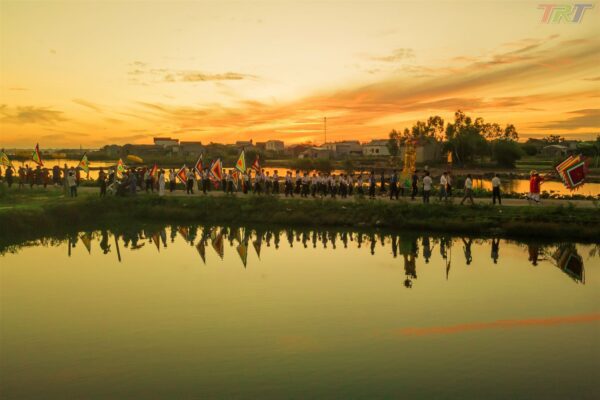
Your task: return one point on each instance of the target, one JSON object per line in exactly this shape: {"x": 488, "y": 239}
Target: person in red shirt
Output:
{"x": 535, "y": 182}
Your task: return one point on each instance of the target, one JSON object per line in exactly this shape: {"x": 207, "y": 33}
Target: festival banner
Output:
{"x": 153, "y": 170}
{"x": 256, "y": 164}
{"x": 216, "y": 170}
{"x": 84, "y": 164}
{"x": 120, "y": 168}
{"x": 198, "y": 167}
{"x": 181, "y": 174}
{"x": 240, "y": 165}
{"x": 235, "y": 176}
{"x": 218, "y": 244}
{"x": 4, "y": 160}
{"x": 36, "y": 156}
{"x": 257, "y": 244}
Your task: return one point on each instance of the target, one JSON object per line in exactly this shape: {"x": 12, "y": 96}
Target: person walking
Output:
{"x": 72, "y": 182}
{"x": 161, "y": 182}
{"x": 382, "y": 183}
{"x": 190, "y": 177}
{"x": 414, "y": 184}
{"x": 132, "y": 182}
{"x": 275, "y": 183}
{"x": 468, "y": 190}
{"x": 172, "y": 178}
{"x": 444, "y": 186}
{"x": 496, "y": 190}
{"x": 102, "y": 182}
{"x": 372, "y": 184}
{"x": 427, "y": 183}
{"x": 149, "y": 181}
{"x": 535, "y": 183}
{"x": 289, "y": 189}
{"x": 8, "y": 174}
{"x": 394, "y": 185}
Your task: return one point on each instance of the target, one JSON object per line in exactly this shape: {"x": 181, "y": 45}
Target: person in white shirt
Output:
{"x": 161, "y": 183}
{"x": 427, "y": 183}
{"x": 496, "y": 189}
{"x": 444, "y": 186}
{"x": 468, "y": 190}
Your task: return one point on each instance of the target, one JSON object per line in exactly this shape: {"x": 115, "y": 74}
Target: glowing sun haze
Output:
{"x": 94, "y": 73}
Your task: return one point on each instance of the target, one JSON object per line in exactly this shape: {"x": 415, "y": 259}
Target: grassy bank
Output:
{"x": 45, "y": 213}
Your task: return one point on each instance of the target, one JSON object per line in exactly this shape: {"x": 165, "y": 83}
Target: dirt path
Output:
{"x": 418, "y": 200}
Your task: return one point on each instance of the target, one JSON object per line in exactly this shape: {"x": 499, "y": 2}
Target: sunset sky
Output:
{"x": 93, "y": 73}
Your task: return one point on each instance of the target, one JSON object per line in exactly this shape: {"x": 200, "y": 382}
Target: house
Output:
{"x": 244, "y": 144}
{"x": 555, "y": 150}
{"x": 344, "y": 148}
{"x": 275, "y": 145}
{"x": 315, "y": 153}
{"x": 261, "y": 145}
{"x": 428, "y": 152}
{"x": 191, "y": 148}
{"x": 296, "y": 149}
{"x": 165, "y": 141}
{"x": 378, "y": 147}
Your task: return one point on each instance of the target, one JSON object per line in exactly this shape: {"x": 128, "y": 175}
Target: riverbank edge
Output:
{"x": 66, "y": 215}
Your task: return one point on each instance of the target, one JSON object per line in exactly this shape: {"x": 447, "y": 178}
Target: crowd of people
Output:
{"x": 260, "y": 182}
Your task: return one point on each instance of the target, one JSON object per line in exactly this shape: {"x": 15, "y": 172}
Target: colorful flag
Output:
{"x": 240, "y": 165}
{"x": 256, "y": 164}
{"x": 184, "y": 232}
{"x": 235, "y": 175}
{"x": 120, "y": 168}
{"x": 4, "y": 160}
{"x": 84, "y": 164}
{"x": 181, "y": 174}
{"x": 216, "y": 170}
{"x": 198, "y": 166}
{"x": 36, "y": 156}
{"x": 153, "y": 170}
{"x": 572, "y": 171}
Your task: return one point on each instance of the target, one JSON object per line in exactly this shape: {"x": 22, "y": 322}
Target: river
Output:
{"x": 229, "y": 312}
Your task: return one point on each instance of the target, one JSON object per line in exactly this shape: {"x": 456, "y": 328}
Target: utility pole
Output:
{"x": 325, "y": 128}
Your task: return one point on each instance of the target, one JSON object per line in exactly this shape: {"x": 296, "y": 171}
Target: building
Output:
{"x": 191, "y": 148}
{"x": 555, "y": 150}
{"x": 315, "y": 153}
{"x": 344, "y": 148}
{"x": 244, "y": 144}
{"x": 296, "y": 149}
{"x": 378, "y": 147}
{"x": 427, "y": 152}
{"x": 276, "y": 146}
{"x": 165, "y": 141}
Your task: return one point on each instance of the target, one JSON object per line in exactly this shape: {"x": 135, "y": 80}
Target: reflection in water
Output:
{"x": 239, "y": 240}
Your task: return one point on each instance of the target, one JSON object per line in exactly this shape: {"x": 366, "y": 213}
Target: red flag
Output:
{"x": 256, "y": 164}
{"x": 153, "y": 170}
{"x": 181, "y": 174}
{"x": 216, "y": 170}
{"x": 198, "y": 165}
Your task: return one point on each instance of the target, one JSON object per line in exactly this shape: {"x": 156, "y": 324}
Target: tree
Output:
{"x": 465, "y": 139}
{"x": 506, "y": 152}
{"x": 323, "y": 165}
{"x": 394, "y": 143}
{"x": 529, "y": 149}
{"x": 553, "y": 139}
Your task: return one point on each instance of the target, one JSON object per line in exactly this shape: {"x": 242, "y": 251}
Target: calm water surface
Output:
{"x": 217, "y": 312}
